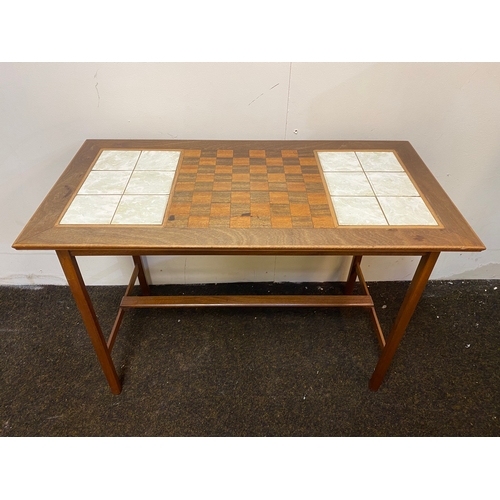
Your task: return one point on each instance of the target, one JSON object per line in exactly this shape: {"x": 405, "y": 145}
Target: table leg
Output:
{"x": 351, "y": 277}
{"x": 84, "y": 304}
{"x": 143, "y": 282}
{"x": 405, "y": 313}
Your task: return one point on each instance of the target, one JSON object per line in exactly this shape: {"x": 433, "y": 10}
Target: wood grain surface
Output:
{"x": 285, "y": 231}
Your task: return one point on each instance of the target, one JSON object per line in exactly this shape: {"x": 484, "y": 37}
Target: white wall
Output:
{"x": 450, "y": 112}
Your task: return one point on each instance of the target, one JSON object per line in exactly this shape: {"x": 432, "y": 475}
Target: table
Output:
{"x": 176, "y": 197}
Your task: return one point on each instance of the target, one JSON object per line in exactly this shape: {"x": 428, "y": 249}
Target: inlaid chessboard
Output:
{"x": 263, "y": 188}
{"x": 272, "y": 188}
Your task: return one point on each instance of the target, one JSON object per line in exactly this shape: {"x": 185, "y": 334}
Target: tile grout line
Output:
{"x": 167, "y": 195}
{"x": 352, "y": 196}
{"x": 373, "y": 189}
{"x": 125, "y": 188}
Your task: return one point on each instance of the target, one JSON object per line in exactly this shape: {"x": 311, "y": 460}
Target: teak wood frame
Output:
{"x": 104, "y": 347}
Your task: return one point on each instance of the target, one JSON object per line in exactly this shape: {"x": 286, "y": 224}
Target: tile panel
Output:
{"x": 371, "y": 188}
{"x": 125, "y": 187}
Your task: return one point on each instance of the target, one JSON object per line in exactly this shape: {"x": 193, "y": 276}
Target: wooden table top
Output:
{"x": 247, "y": 197}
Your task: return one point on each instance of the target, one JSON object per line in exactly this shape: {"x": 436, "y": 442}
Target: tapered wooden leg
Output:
{"x": 143, "y": 282}
{"x": 351, "y": 277}
{"x": 410, "y": 302}
{"x": 84, "y": 304}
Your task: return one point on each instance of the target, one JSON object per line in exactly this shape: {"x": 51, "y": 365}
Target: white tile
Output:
{"x": 91, "y": 209}
{"x": 158, "y": 160}
{"x": 337, "y": 161}
{"x": 392, "y": 184}
{"x": 358, "y": 211}
{"x": 150, "y": 182}
{"x": 377, "y": 161}
{"x": 348, "y": 184}
{"x": 411, "y": 211}
{"x": 105, "y": 182}
{"x": 141, "y": 209}
{"x": 117, "y": 160}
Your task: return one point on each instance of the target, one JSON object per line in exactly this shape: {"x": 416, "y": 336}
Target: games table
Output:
{"x": 159, "y": 197}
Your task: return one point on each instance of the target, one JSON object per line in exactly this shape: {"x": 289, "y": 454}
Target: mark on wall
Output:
{"x": 258, "y": 97}
{"x": 97, "y": 90}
